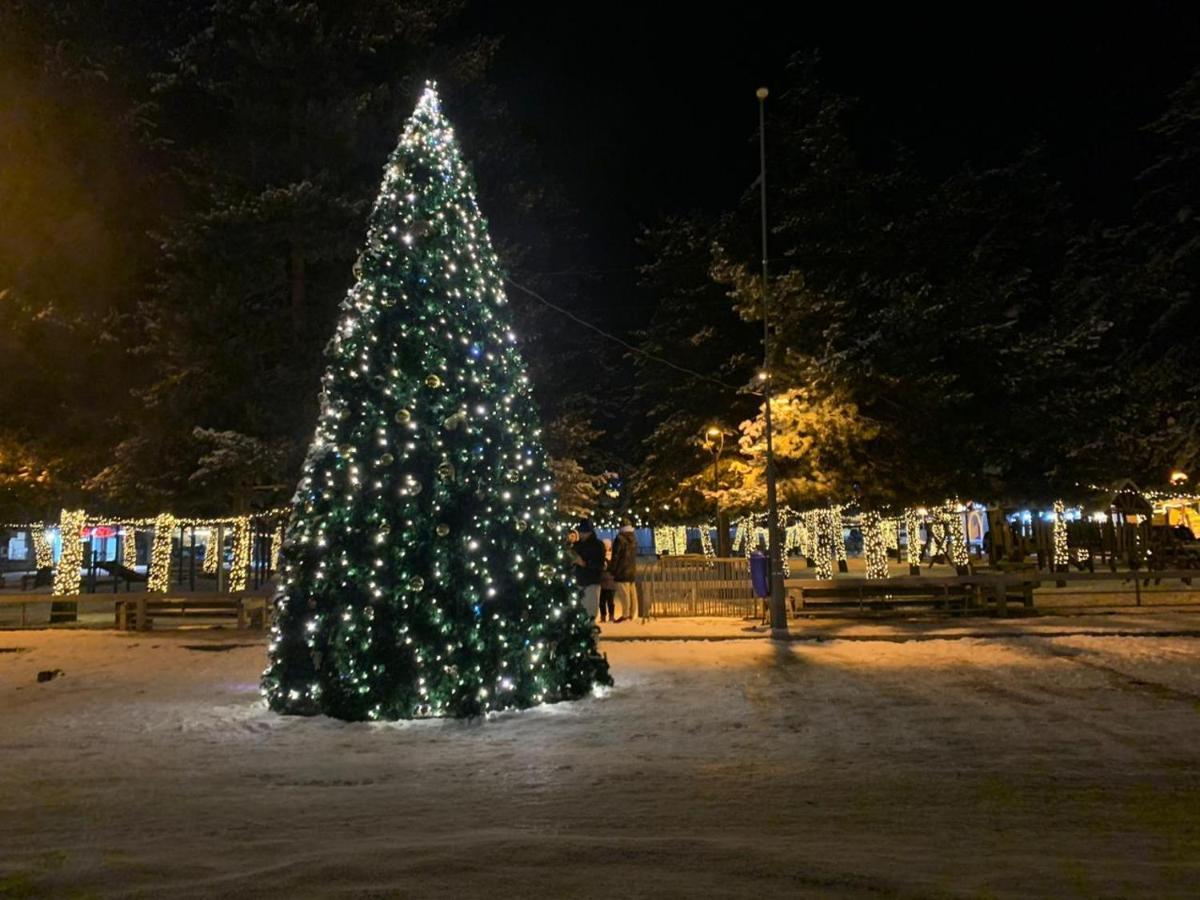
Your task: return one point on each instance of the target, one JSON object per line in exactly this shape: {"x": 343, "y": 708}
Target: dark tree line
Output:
{"x": 964, "y": 333}
{"x": 188, "y": 183}
{"x": 183, "y": 185}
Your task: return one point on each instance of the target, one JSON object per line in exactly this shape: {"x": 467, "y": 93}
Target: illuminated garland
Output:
{"x": 785, "y": 564}
{"x": 128, "y": 546}
{"x": 240, "y": 565}
{"x": 739, "y": 535}
{"x": 706, "y": 543}
{"x": 43, "y": 552}
{"x": 212, "y": 552}
{"x": 891, "y": 534}
{"x": 1062, "y": 556}
{"x": 276, "y": 546}
{"x": 798, "y": 537}
{"x": 912, "y": 537}
{"x": 838, "y": 534}
{"x": 159, "y": 579}
{"x": 67, "y": 576}
{"x": 874, "y": 545}
{"x": 670, "y": 540}
{"x": 955, "y": 534}
{"x": 794, "y": 538}
{"x": 825, "y": 542}
{"x": 812, "y": 533}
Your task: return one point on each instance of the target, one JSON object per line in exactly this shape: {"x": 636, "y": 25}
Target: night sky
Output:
{"x": 646, "y": 111}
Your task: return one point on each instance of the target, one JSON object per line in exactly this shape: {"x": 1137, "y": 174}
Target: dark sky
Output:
{"x": 648, "y": 109}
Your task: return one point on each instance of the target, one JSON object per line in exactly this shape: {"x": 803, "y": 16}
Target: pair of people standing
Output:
{"x": 604, "y": 574}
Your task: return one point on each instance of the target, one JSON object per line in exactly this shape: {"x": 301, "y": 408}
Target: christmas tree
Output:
{"x": 424, "y": 574}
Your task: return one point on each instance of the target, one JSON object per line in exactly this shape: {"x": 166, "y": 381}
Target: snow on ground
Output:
{"x": 978, "y": 766}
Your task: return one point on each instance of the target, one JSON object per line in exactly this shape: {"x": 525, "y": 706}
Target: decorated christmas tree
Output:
{"x": 424, "y": 573}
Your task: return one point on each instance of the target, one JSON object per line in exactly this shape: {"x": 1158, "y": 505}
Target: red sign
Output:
{"x": 100, "y": 531}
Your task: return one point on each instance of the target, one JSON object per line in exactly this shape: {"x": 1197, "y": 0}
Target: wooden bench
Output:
{"x": 956, "y": 593}
{"x": 139, "y": 613}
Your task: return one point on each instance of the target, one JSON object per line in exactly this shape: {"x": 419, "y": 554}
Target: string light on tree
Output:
{"x": 240, "y": 565}
{"x": 825, "y": 543}
{"x": 159, "y": 578}
{"x": 212, "y": 552}
{"x": 955, "y": 533}
{"x": 812, "y": 532}
{"x": 67, "y": 576}
{"x": 276, "y": 545}
{"x": 891, "y": 534}
{"x": 874, "y": 545}
{"x": 128, "y": 546}
{"x": 423, "y": 573}
{"x": 43, "y": 552}
{"x": 1062, "y": 554}
{"x": 670, "y": 540}
{"x": 838, "y": 535}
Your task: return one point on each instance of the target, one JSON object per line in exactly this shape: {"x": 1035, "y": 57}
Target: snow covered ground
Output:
{"x": 873, "y": 766}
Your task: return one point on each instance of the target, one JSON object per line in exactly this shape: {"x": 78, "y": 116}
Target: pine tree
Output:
{"x": 423, "y": 572}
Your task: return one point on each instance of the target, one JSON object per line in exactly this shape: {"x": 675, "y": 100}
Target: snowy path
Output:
{"x": 1031, "y": 766}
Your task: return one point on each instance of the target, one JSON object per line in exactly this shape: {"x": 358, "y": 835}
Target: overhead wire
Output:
{"x": 628, "y": 346}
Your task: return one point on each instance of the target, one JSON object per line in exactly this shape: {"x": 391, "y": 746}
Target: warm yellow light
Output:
{"x": 713, "y": 432}
{"x": 1178, "y": 477}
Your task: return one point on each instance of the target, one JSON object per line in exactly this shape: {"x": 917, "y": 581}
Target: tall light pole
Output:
{"x": 779, "y": 626}
{"x": 716, "y": 441}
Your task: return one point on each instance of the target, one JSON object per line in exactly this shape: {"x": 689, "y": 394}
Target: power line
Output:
{"x": 612, "y": 337}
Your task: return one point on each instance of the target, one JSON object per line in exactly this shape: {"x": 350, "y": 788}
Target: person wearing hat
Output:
{"x": 589, "y": 566}
{"x": 623, "y": 567}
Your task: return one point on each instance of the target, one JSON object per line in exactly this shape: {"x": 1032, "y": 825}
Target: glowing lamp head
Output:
{"x": 713, "y": 432}
{"x": 1178, "y": 477}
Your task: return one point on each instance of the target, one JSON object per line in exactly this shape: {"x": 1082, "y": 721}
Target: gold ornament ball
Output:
{"x": 443, "y": 529}
{"x": 403, "y": 417}
{"x": 386, "y": 459}
{"x": 416, "y": 583}
{"x": 433, "y": 381}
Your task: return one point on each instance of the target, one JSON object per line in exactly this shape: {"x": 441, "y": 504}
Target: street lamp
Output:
{"x": 779, "y": 626}
{"x": 715, "y": 441}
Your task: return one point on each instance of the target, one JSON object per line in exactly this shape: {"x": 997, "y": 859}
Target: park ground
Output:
{"x": 1057, "y": 756}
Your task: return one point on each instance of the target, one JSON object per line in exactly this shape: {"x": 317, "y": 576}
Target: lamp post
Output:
{"x": 779, "y": 626}
{"x": 716, "y": 442}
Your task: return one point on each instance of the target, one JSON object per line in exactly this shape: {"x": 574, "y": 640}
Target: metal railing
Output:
{"x": 697, "y": 586}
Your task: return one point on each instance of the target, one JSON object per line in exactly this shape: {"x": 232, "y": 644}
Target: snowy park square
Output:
{"x": 898, "y": 760}
{"x": 455, "y": 450}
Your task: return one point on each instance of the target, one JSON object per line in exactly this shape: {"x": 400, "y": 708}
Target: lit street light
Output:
{"x": 779, "y": 626}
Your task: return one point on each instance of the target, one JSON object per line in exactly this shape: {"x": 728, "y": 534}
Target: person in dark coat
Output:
{"x": 623, "y": 567}
{"x": 607, "y": 587}
{"x": 589, "y": 566}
